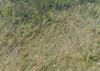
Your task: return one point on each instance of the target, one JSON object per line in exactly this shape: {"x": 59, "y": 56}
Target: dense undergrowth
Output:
{"x": 49, "y": 35}
{"x": 34, "y": 10}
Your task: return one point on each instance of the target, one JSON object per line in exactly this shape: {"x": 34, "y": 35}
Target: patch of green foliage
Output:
{"x": 34, "y": 10}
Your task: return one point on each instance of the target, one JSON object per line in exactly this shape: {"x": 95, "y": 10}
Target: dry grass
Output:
{"x": 64, "y": 41}
{"x": 68, "y": 42}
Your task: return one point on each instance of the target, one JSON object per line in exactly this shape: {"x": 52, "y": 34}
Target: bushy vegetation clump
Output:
{"x": 29, "y": 10}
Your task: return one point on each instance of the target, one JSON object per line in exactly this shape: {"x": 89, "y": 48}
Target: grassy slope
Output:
{"x": 70, "y": 40}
